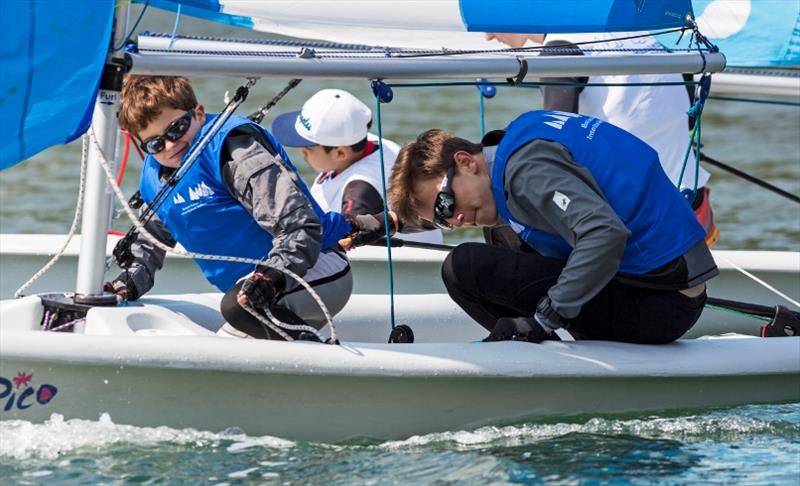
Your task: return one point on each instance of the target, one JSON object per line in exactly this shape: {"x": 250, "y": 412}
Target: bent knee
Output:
{"x": 459, "y": 263}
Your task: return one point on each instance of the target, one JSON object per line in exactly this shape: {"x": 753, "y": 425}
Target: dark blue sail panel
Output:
{"x": 53, "y": 53}
{"x": 571, "y": 16}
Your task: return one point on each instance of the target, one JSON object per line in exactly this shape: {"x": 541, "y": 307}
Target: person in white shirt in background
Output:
{"x": 332, "y": 132}
{"x": 656, "y": 114}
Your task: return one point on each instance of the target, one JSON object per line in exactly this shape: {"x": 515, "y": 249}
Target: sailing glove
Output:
{"x": 118, "y": 287}
{"x": 519, "y": 329}
{"x": 368, "y": 228}
{"x": 261, "y": 288}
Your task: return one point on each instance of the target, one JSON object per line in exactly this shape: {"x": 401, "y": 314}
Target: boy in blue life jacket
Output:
{"x": 655, "y": 110}
{"x": 242, "y": 198}
{"x": 611, "y": 250}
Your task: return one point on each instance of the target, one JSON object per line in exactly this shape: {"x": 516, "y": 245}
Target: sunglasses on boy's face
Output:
{"x": 445, "y": 203}
{"x": 174, "y": 131}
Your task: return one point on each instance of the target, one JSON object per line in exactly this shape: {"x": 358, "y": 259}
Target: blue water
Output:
{"x": 743, "y": 445}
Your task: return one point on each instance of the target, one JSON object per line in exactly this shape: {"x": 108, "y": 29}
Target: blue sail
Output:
{"x": 570, "y": 16}
{"x": 53, "y": 53}
{"x": 752, "y": 33}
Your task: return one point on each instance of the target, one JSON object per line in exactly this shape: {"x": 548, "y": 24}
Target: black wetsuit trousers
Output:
{"x": 490, "y": 282}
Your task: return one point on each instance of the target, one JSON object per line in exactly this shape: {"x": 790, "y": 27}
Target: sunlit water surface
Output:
{"x": 744, "y": 445}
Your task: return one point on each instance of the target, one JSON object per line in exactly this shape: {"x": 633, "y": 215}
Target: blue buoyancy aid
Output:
{"x": 662, "y": 225}
{"x": 203, "y": 216}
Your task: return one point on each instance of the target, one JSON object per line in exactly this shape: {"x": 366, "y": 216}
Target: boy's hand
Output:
{"x": 117, "y": 287}
{"x": 366, "y": 229}
{"x": 261, "y": 288}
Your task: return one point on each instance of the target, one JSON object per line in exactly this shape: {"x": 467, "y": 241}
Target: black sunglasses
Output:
{"x": 174, "y": 131}
{"x": 445, "y": 203}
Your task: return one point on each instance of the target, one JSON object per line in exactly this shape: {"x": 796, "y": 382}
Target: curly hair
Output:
{"x": 428, "y": 157}
{"x": 145, "y": 97}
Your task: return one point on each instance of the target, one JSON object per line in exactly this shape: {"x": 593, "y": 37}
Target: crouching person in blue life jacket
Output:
{"x": 242, "y": 198}
{"x": 608, "y": 249}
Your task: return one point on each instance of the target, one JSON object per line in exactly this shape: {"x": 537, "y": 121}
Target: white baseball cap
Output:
{"x": 332, "y": 117}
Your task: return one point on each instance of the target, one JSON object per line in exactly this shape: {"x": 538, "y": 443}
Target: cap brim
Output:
{"x": 283, "y": 130}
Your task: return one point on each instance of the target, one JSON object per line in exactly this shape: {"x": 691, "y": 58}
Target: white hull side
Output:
{"x": 312, "y": 391}
{"x": 159, "y": 364}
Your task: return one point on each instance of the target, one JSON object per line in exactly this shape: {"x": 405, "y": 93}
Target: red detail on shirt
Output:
{"x": 370, "y": 148}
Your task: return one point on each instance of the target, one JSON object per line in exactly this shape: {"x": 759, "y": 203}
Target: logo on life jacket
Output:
{"x": 200, "y": 190}
{"x": 559, "y": 118}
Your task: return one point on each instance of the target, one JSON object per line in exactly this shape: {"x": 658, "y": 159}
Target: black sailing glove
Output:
{"x": 261, "y": 288}
{"x": 519, "y": 329}
{"x": 368, "y": 228}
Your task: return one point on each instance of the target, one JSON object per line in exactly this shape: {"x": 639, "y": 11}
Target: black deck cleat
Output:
{"x": 401, "y": 334}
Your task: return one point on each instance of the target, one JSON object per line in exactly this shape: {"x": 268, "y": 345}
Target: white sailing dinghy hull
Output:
{"x": 159, "y": 363}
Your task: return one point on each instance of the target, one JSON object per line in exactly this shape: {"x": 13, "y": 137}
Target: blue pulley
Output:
{"x": 382, "y": 91}
{"x": 486, "y": 89}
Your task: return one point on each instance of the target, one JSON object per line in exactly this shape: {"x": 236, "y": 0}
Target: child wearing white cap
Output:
{"x": 332, "y": 133}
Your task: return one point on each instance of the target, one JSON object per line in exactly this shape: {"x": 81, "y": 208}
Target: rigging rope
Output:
{"x": 751, "y": 100}
{"x": 384, "y": 94}
{"x": 73, "y": 227}
{"x": 759, "y": 281}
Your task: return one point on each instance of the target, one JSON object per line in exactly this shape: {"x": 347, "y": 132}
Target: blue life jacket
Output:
{"x": 662, "y": 225}
{"x": 203, "y": 216}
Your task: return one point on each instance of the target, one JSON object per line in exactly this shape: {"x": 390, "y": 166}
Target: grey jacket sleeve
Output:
{"x": 271, "y": 194}
{"x": 549, "y": 191}
{"x": 148, "y": 259}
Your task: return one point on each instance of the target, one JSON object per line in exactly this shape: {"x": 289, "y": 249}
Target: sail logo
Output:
{"x": 178, "y": 199}
{"x": 558, "y": 119}
{"x": 199, "y": 191}
{"x": 20, "y": 393}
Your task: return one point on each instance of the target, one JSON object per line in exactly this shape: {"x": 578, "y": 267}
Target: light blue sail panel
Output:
{"x": 573, "y": 16}
{"x": 752, "y": 33}
{"x": 52, "y": 57}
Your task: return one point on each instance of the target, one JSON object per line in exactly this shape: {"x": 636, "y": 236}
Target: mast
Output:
{"x": 98, "y": 199}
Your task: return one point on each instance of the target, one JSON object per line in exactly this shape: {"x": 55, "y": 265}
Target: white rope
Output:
{"x": 202, "y": 256}
{"x": 759, "y": 281}
{"x": 72, "y": 229}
